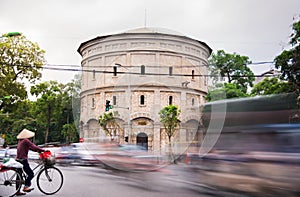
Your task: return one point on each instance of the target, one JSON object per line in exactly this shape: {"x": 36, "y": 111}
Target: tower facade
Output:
{"x": 140, "y": 71}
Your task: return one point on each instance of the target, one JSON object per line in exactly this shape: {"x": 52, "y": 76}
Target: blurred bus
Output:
{"x": 262, "y": 123}
{"x": 257, "y": 151}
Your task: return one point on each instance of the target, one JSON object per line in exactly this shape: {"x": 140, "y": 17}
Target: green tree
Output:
{"x": 48, "y": 104}
{"x": 53, "y": 110}
{"x": 73, "y": 99}
{"x": 271, "y": 86}
{"x": 69, "y": 131}
{"x": 19, "y": 59}
{"x": 33, "y": 114}
{"x": 108, "y": 123}
{"x": 70, "y": 108}
{"x": 169, "y": 118}
{"x": 233, "y": 67}
{"x": 225, "y": 91}
{"x": 21, "y": 117}
{"x": 289, "y": 60}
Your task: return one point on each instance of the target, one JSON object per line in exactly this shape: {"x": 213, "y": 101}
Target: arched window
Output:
{"x": 193, "y": 74}
{"x": 142, "y": 100}
{"x": 170, "y": 100}
{"x": 142, "y": 69}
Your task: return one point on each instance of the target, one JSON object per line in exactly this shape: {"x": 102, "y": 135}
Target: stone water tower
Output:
{"x": 140, "y": 71}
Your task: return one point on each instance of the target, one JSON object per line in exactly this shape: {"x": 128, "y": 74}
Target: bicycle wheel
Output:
{"x": 50, "y": 180}
{"x": 10, "y": 182}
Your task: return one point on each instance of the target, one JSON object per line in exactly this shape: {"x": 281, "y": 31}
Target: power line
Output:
{"x": 77, "y": 68}
{"x": 154, "y": 66}
{"x": 139, "y": 73}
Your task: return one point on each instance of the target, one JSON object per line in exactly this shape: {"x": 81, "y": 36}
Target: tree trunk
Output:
{"x": 48, "y": 124}
{"x": 171, "y": 155}
{"x": 229, "y": 78}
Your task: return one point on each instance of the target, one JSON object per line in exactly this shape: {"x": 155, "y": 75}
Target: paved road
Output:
{"x": 94, "y": 181}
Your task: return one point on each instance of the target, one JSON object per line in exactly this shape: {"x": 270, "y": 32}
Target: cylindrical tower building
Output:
{"x": 140, "y": 72}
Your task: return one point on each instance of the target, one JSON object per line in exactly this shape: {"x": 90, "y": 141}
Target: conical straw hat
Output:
{"x": 25, "y": 134}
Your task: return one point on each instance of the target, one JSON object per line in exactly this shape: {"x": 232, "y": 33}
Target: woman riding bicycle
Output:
{"x": 24, "y": 145}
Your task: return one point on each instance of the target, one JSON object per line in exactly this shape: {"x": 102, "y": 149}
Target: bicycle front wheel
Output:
{"x": 10, "y": 182}
{"x": 50, "y": 180}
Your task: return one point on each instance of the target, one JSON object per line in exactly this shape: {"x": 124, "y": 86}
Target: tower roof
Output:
{"x": 145, "y": 30}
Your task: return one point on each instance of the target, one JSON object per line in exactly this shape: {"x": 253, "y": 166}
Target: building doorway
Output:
{"x": 142, "y": 140}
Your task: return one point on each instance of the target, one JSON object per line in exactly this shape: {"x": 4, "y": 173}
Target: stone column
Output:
{"x": 85, "y": 132}
{"x": 182, "y": 132}
{"x": 156, "y": 138}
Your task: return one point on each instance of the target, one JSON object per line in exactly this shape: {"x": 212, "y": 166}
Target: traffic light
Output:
{"x": 108, "y": 106}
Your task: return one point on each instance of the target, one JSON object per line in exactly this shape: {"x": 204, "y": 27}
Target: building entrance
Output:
{"x": 142, "y": 140}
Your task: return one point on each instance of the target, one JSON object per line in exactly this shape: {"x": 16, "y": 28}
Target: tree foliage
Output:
{"x": 271, "y": 86}
{"x": 69, "y": 132}
{"x": 225, "y": 91}
{"x": 233, "y": 67}
{"x": 109, "y": 124}
{"x": 47, "y": 93}
{"x": 19, "y": 59}
{"x": 169, "y": 119}
{"x": 33, "y": 115}
{"x": 12, "y": 123}
{"x": 53, "y": 109}
{"x": 289, "y": 60}
{"x": 73, "y": 95}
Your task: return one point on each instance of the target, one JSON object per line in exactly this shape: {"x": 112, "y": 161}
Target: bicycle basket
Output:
{"x": 50, "y": 161}
{"x": 48, "y": 158}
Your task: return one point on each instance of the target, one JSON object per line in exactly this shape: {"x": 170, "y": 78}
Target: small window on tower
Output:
{"x": 193, "y": 74}
{"x": 142, "y": 100}
{"x": 170, "y": 100}
{"x": 94, "y": 74}
{"x": 93, "y": 102}
{"x": 142, "y": 69}
{"x": 170, "y": 71}
{"x": 114, "y": 100}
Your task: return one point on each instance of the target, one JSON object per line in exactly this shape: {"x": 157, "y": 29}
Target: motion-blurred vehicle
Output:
{"x": 257, "y": 150}
{"x": 132, "y": 147}
{"x": 33, "y": 155}
{"x": 128, "y": 157}
{"x": 12, "y": 153}
{"x": 86, "y": 152}
{"x": 2, "y": 154}
{"x": 66, "y": 155}
{"x": 75, "y": 154}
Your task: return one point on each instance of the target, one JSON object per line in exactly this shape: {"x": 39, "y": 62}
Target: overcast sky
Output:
{"x": 258, "y": 29}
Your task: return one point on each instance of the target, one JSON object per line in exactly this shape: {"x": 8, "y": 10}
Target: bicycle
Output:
{"x": 49, "y": 178}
